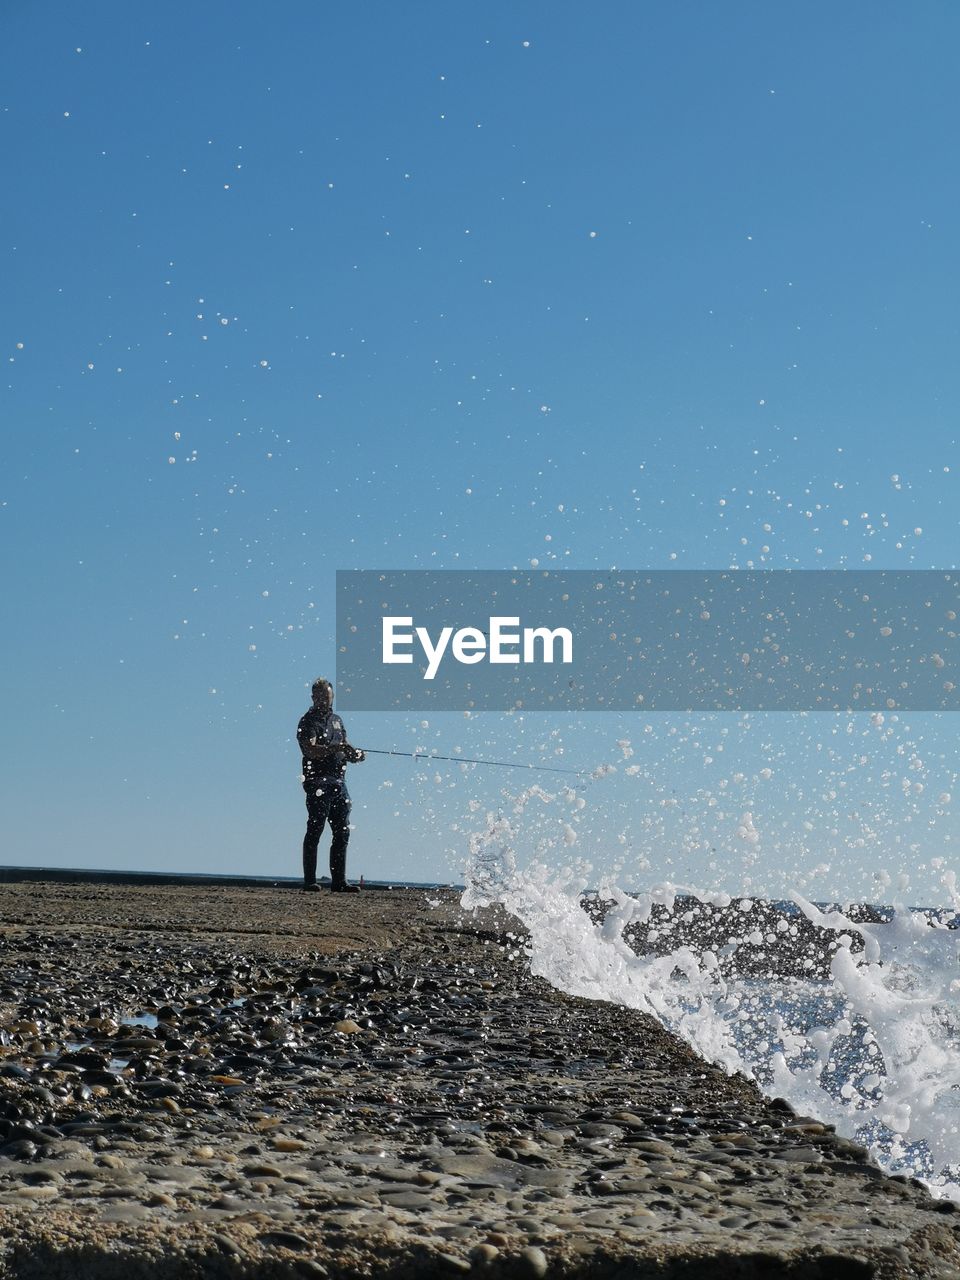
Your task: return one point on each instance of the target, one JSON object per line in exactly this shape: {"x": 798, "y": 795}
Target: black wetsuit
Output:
{"x": 319, "y": 733}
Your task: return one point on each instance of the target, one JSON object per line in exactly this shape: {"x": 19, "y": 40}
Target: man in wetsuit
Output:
{"x": 323, "y": 741}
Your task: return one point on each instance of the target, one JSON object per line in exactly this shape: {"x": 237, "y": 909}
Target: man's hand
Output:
{"x": 353, "y": 754}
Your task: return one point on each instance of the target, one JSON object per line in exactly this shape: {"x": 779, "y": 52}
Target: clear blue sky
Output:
{"x": 436, "y": 285}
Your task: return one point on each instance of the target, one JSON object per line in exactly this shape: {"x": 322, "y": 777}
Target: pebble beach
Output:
{"x": 213, "y": 1081}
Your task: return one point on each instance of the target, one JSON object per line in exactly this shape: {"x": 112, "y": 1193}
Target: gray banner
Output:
{"x": 671, "y": 640}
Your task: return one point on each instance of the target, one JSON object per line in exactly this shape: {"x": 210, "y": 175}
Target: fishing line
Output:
{"x": 500, "y": 764}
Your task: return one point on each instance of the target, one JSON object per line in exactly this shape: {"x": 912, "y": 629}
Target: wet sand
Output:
{"x": 253, "y": 1082}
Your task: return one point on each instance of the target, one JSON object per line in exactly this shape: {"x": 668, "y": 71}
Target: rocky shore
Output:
{"x": 257, "y": 1083}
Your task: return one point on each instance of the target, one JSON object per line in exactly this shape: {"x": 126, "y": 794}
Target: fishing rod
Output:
{"x": 502, "y": 764}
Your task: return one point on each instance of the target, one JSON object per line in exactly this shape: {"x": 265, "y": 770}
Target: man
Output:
{"x": 323, "y": 741}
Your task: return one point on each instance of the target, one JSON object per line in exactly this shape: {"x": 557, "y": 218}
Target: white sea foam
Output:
{"x": 874, "y": 1050}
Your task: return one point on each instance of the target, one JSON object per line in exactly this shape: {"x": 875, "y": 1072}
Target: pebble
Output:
{"x": 397, "y": 1174}
{"x": 284, "y": 1240}
{"x": 654, "y": 1146}
{"x": 799, "y": 1155}
{"x": 20, "y": 1149}
{"x": 38, "y": 1193}
{"x": 535, "y": 1261}
{"x": 160, "y": 1199}
{"x": 262, "y": 1171}
{"x": 450, "y": 1262}
{"x": 415, "y": 1201}
{"x": 628, "y": 1120}
{"x": 288, "y": 1144}
{"x": 226, "y": 1245}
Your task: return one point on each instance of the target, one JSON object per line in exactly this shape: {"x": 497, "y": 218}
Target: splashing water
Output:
{"x": 872, "y": 1047}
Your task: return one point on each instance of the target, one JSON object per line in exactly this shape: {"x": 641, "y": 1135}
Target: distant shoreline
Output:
{"x": 93, "y": 875}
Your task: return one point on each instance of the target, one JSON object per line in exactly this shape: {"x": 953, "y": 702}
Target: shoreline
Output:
{"x": 201, "y": 1080}
{"x": 93, "y": 875}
